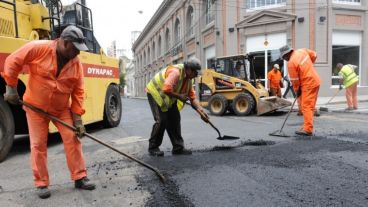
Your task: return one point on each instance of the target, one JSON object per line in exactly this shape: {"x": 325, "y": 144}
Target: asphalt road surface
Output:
{"x": 329, "y": 169}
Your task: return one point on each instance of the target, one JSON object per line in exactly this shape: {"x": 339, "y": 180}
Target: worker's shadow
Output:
{"x": 21, "y": 144}
{"x": 275, "y": 113}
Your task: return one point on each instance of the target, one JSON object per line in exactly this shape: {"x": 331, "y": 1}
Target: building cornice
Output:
{"x": 151, "y": 22}
{"x": 257, "y": 18}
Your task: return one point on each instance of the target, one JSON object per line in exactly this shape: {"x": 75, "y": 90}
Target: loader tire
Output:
{"x": 217, "y": 105}
{"x": 6, "y": 129}
{"x": 112, "y": 108}
{"x": 243, "y": 104}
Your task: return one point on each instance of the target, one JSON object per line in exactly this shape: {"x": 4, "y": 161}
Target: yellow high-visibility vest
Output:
{"x": 155, "y": 85}
{"x": 348, "y": 75}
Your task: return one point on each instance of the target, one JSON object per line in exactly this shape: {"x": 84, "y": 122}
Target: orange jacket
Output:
{"x": 274, "y": 78}
{"x": 301, "y": 70}
{"x": 44, "y": 89}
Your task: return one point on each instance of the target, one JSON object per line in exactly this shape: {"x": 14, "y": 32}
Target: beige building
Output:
{"x": 335, "y": 29}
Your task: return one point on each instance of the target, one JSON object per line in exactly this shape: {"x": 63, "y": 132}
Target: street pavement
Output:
{"x": 329, "y": 169}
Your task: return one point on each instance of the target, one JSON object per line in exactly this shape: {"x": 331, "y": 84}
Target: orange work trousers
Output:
{"x": 308, "y": 103}
{"x": 38, "y": 126}
{"x": 276, "y": 92}
{"x": 352, "y": 96}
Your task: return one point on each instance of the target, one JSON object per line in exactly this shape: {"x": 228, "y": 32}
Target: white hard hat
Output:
{"x": 276, "y": 66}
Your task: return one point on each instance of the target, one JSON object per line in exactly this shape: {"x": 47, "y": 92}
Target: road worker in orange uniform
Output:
{"x": 305, "y": 81}
{"x": 275, "y": 81}
{"x": 55, "y": 77}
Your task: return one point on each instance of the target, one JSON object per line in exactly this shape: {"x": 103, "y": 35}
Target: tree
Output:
{"x": 122, "y": 80}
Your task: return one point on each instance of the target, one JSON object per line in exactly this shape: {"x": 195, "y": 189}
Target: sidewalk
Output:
{"x": 338, "y": 104}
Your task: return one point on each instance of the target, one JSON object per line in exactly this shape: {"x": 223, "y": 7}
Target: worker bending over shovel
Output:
{"x": 350, "y": 80}
{"x": 167, "y": 92}
{"x": 55, "y": 76}
{"x": 305, "y": 81}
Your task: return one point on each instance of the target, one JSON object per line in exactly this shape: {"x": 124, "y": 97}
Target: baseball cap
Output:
{"x": 75, "y": 35}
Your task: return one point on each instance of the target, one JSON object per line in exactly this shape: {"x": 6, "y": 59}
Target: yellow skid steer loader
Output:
{"x": 232, "y": 86}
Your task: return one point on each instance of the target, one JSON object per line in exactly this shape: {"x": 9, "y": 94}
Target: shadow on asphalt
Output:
{"x": 274, "y": 113}
{"x": 21, "y": 144}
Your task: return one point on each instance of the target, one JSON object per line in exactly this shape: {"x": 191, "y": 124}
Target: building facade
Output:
{"x": 335, "y": 29}
{"x": 129, "y": 89}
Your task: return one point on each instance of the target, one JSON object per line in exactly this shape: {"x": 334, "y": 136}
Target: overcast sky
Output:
{"x": 116, "y": 19}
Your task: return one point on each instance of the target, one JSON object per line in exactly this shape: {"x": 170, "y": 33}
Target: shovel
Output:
{"x": 280, "y": 133}
{"x": 162, "y": 178}
{"x": 324, "y": 108}
{"x": 207, "y": 120}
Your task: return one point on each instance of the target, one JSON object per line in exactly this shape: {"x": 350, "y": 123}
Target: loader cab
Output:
{"x": 239, "y": 66}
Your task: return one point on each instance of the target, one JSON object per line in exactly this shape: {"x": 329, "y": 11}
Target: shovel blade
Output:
{"x": 278, "y": 133}
{"x": 272, "y": 103}
{"x": 225, "y": 137}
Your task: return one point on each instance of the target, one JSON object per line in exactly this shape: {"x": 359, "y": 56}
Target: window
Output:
{"x": 144, "y": 59}
{"x": 346, "y": 48}
{"x": 148, "y": 56}
{"x": 210, "y": 13}
{"x": 159, "y": 48}
{"x": 354, "y": 2}
{"x": 262, "y": 4}
{"x": 153, "y": 51}
{"x": 167, "y": 41}
{"x": 177, "y": 31}
{"x": 190, "y": 21}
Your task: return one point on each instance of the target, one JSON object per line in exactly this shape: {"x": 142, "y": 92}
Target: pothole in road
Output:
{"x": 241, "y": 144}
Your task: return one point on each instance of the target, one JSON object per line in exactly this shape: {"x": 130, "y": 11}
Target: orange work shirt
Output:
{"x": 274, "y": 77}
{"x": 45, "y": 90}
{"x": 172, "y": 78}
{"x": 301, "y": 70}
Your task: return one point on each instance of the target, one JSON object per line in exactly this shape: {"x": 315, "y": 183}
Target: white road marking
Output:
{"x": 128, "y": 140}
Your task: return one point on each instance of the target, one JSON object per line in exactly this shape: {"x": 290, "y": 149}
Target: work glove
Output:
{"x": 78, "y": 124}
{"x": 11, "y": 95}
{"x": 183, "y": 97}
{"x": 340, "y": 87}
{"x": 298, "y": 92}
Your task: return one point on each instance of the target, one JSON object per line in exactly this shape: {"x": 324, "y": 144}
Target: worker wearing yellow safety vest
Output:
{"x": 167, "y": 92}
{"x": 350, "y": 80}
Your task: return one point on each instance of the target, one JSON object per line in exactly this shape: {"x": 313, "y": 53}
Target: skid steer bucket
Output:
{"x": 272, "y": 103}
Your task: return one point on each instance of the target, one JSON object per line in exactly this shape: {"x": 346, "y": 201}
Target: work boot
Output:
{"x": 43, "y": 192}
{"x": 182, "y": 152}
{"x": 316, "y": 113}
{"x": 303, "y": 133}
{"x": 85, "y": 184}
{"x": 156, "y": 152}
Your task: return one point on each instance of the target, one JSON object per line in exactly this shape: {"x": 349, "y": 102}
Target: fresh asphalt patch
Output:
{"x": 241, "y": 144}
